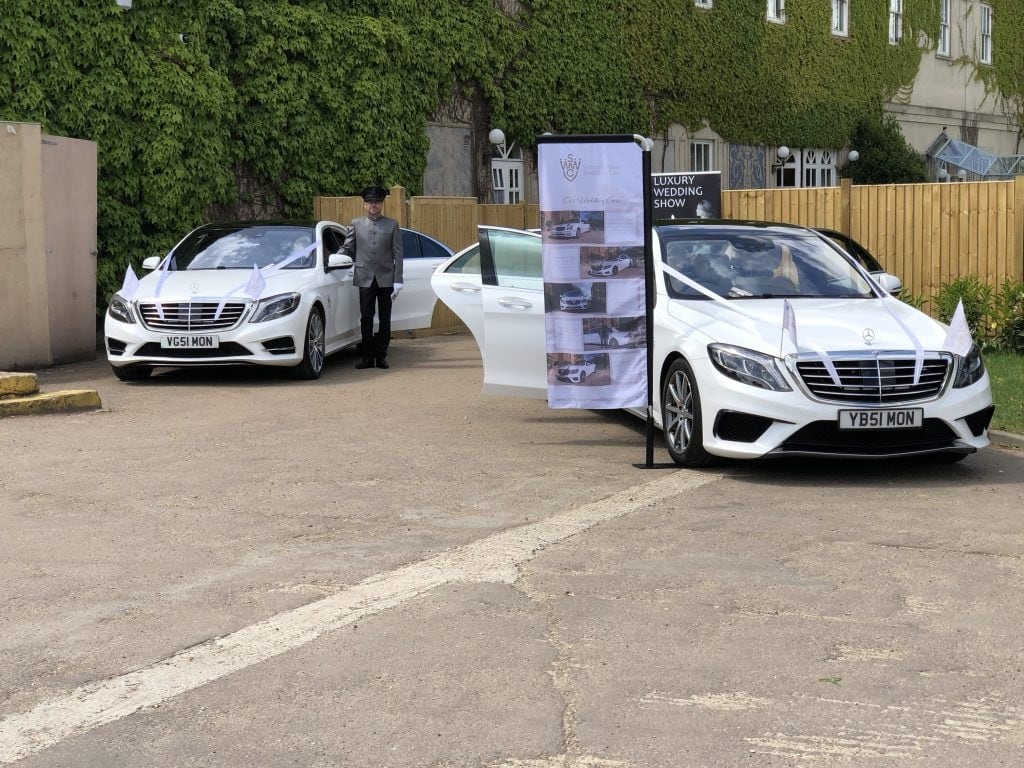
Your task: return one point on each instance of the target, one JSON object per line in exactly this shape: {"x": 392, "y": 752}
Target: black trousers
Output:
{"x": 375, "y": 299}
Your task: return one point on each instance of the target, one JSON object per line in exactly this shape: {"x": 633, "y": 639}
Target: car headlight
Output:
{"x": 274, "y": 307}
{"x": 972, "y": 367}
{"x": 748, "y": 366}
{"x": 119, "y": 309}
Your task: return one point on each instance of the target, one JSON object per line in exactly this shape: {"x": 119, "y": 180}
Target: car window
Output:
{"x": 468, "y": 263}
{"x": 410, "y": 245}
{"x": 244, "y": 247}
{"x": 432, "y": 249}
{"x": 858, "y": 252}
{"x": 515, "y": 256}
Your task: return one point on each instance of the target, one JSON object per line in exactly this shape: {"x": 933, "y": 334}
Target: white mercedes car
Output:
{"x": 768, "y": 340}
{"x": 262, "y": 293}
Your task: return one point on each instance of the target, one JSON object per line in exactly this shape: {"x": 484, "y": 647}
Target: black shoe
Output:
{"x": 383, "y": 364}
{"x": 364, "y": 364}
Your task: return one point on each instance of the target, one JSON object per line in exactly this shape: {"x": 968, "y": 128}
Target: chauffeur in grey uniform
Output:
{"x": 375, "y": 244}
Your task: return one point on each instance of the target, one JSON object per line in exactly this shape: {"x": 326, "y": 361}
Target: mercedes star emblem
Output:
{"x": 869, "y": 335}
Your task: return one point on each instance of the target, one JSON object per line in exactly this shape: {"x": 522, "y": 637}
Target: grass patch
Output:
{"x": 1006, "y": 370}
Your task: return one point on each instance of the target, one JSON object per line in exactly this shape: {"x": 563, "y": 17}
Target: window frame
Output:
{"x": 895, "y": 22}
{"x": 841, "y": 18}
{"x": 776, "y": 11}
{"x": 706, "y": 4}
{"x": 707, "y": 147}
{"x": 943, "y": 47}
{"x": 985, "y": 29}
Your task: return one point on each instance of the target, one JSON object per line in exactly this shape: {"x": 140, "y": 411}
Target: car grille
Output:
{"x": 191, "y": 315}
{"x": 874, "y": 380}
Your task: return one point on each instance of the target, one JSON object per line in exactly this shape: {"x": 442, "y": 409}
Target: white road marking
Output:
{"x": 493, "y": 559}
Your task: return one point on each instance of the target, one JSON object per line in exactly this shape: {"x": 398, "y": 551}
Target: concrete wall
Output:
{"x": 69, "y": 190}
{"x": 24, "y": 309}
{"x": 47, "y": 248}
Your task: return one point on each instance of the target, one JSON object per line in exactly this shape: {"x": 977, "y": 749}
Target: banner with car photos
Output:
{"x": 592, "y": 232}
{"x": 696, "y": 195}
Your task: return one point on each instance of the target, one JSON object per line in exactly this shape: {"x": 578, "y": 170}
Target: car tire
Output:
{"x": 314, "y": 348}
{"x": 583, "y": 377}
{"x": 615, "y": 271}
{"x": 613, "y": 343}
{"x": 132, "y": 373}
{"x": 681, "y": 417}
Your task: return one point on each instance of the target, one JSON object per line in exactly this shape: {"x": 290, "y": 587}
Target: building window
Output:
{"x": 841, "y": 18}
{"x": 943, "y": 49}
{"x": 895, "y": 21}
{"x": 807, "y": 168}
{"x": 700, "y": 156}
{"x": 507, "y": 180}
{"x": 703, "y": 3}
{"x": 986, "y": 33}
{"x": 777, "y": 11}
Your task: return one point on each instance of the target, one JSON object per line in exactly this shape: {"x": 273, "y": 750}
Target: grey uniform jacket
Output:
{"x": 376, "y": 249}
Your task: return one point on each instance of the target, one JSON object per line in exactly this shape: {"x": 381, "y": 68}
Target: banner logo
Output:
{"x": 571, "y": 167}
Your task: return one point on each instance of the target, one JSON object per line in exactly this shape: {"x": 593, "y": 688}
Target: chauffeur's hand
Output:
{"x": 397, "y": 289}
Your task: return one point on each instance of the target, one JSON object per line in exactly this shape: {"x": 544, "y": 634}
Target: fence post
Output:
{"x": 845, "y": 206}
{"x": 1018, "y": 227}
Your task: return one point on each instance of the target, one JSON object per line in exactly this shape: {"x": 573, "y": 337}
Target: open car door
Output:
{"x": 513, "y": 348}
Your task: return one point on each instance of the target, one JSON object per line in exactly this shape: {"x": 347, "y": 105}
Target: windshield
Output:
{"x": 747, "y": 263}
{"x": 245, "y": 246}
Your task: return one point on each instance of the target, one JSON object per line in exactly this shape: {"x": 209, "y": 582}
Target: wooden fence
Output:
{"x": 927, "y": 234}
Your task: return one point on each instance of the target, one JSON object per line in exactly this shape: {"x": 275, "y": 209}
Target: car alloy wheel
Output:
{"x": 314, "y": 348}
{"x": 681, "y": 417}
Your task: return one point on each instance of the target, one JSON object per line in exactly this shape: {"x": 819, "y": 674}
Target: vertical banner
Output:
{"x": 594, "y": 253}
{"x": 695, "y": 195}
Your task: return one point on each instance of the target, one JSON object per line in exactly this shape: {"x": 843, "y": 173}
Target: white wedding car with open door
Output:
{"x": 769, "y": 340}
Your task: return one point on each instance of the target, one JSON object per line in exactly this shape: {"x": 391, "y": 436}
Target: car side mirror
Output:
{"x": 890, "y": 283}
{"x": 151, "y": 262}
{"x": 339, "y": 261}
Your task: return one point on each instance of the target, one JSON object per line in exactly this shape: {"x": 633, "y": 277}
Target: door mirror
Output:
{"x": 339, "y": 261}
{"x": 889, "y": 283}
{"x": 151, "y": 263}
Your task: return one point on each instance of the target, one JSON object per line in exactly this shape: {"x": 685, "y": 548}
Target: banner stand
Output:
{"x": 649, "y": 287}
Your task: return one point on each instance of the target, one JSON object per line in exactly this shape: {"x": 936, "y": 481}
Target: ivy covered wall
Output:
{"x": 236, "y": 108}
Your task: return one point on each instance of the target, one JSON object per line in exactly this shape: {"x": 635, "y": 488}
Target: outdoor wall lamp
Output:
{"x": 962, "y": 174}
{"x": 942, "y": 174}
{"x": 783, "y": 154}
{"x": 853, "y": 155}
{"x": 497, "y": 138}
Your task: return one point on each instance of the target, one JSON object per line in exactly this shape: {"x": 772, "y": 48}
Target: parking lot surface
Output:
{"x": 385, "y": 568}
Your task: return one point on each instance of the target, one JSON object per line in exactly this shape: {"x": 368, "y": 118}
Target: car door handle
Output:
{"x": 514, "y": 303}
{"x": 466, "y": 287}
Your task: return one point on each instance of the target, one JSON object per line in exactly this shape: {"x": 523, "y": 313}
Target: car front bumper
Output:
{"x": 277, "y": 342}
{"x": 743, "y": 421}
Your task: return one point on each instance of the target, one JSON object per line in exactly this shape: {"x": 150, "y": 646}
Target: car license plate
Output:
{"x": 189, "y": 342}
{"x": 882, "y": 418}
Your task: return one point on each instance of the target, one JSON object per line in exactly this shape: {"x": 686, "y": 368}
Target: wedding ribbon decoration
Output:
{"x": 789, "y": 328}
{"x": 958, "y": 337}
{"x": 130, "y": 285}
{"x": 918, "y": 346}
{"x": 256, "y": 282}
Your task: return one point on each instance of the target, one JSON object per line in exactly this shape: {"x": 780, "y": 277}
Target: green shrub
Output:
{"x": 1007, "y": 325}
{"x": 979, "y": 304}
